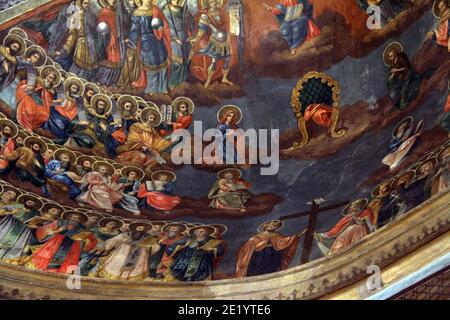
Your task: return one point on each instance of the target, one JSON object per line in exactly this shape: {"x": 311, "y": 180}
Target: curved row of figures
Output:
{"x": 41, "y": 234}
{"x": 79, "y": 114}
{"x": 103, "y": 183}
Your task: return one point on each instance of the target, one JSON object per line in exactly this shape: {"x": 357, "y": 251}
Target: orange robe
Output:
{"x": 441, "y": 34}
{"x": 349, "y": 230}
{"x": 261, "y": 241}
{"x": 30, "y": 114}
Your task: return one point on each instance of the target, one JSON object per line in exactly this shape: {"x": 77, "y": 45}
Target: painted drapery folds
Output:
{"x": 100, "y": 99}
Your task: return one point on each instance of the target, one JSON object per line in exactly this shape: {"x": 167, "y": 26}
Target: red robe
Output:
{"x": 68, "y": 110}
{"x": 164, "y": 34}
{"x": 348, "y": 230}
{"x": 31, "y": 115}
{"x": 447, "y": 106}
{"x": 158, "y": 200}
{"x": 182, "y": 122}
{"x": 441, "y": 34}
{"x": 320, "y": 113}
{"x": 45, "y": 254}
{"x": 5, "y": 151}
{"x": 108, "y": 16}
{"x": 261, "y": 241}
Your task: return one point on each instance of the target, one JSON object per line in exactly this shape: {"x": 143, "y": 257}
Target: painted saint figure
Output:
{"x": 358, "y": 221}
{"x": 150, "y": 36}
{"x": 266, "y": 252}
{"x": 441, "y": 10}
{"x": 296, "y": 22}
{"x": 65, "y": 239}
{"x": 193, "y": 257}
{"x": 8, "y": 132}
{"x": 160, "y": 192}
{"x": 230, "y": 191}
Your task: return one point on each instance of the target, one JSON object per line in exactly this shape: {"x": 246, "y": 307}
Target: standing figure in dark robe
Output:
{"x": 441, "y": 180}
{"x": 229, "y": 117}
{"x": 172, "y": 233}
{"x": 266, "y": 252}
{"x": 180, "y": 16}
{"x": 150, "y": 37}
{"x": 152, "y": 244}
{"x": 403, "y": 82}
{"x": 296, "y": 22}
{"x": 127, "y": 107}
{"x": 12, "y": 48}
{"x": 15, "y": 234}
{"x": 425, "y": 174}
{"x": 393, "y": 203}
{"x": 110, "y": 43}
{"x": 193, "y": 257}
{"x": 28, "y": 161}
{"x": 65, "y": 239}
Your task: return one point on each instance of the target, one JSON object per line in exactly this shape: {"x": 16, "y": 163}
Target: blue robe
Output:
{"x": 192, "y": 263}
{"x": 50, "y": 173}
{"x": 295, "y": 31}
{"x": 153, "y": 53}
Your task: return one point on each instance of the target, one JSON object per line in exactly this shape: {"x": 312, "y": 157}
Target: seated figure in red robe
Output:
{"x": 266, "y": 252}
{"x": 183, "y": 107}
{"x": 65, "y": 239}
{"x": 160, "y": 192}
{"x": 440, "y": 35}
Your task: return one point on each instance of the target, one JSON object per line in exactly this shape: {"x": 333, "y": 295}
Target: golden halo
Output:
{"x": 435, "y": 10}
{"x": 220, "y": 228}
{"x": 12, "y": 125}
{"x": 410, "y": 174}
{"x": 84, "y": 158}
{"x": 33, "y": 139}
{"x": 397, "y": 46}
{"x": 440, "y": 156}
{"x": 147, "y": 112}
{"x": 151, "y": 104}
{"x": 62, "y": 151}
{"x": 133, "y": 226}
{"x": 48, "y": 205}
{"x": 236, "y": 109}
{"x": 376, "y": 192}
{"x": 124, "y": 99}
{"x": 186, "y": 100}
{"x": 96, "y": 165}
{"x": 6, "y": 188}
{"x": 46, "y": 70}
{"x": 16, "y": 38}
{"x": 363, "y": 202}
{"x": 18, "y": 32}
{"x": 172, "y": 176}
{"x": 104, "y": 98}
{"x": 126, "y": 170}
{"x": 182, "y": 226}
{"x": 210, "y": 229}
{"x": 91, "y": 86}
{"x": 237, "y": 173}
{"x": 262, "y": 226}
{"x": 24, "y": 197}
{"x": 67, "y": 214}
{"x": 102, "y": 223}
{"x": 74, "y": 80}
{"x": 41, "y": 52}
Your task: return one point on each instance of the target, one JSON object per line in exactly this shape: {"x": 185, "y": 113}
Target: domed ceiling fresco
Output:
{"x": 186, "y": 141}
